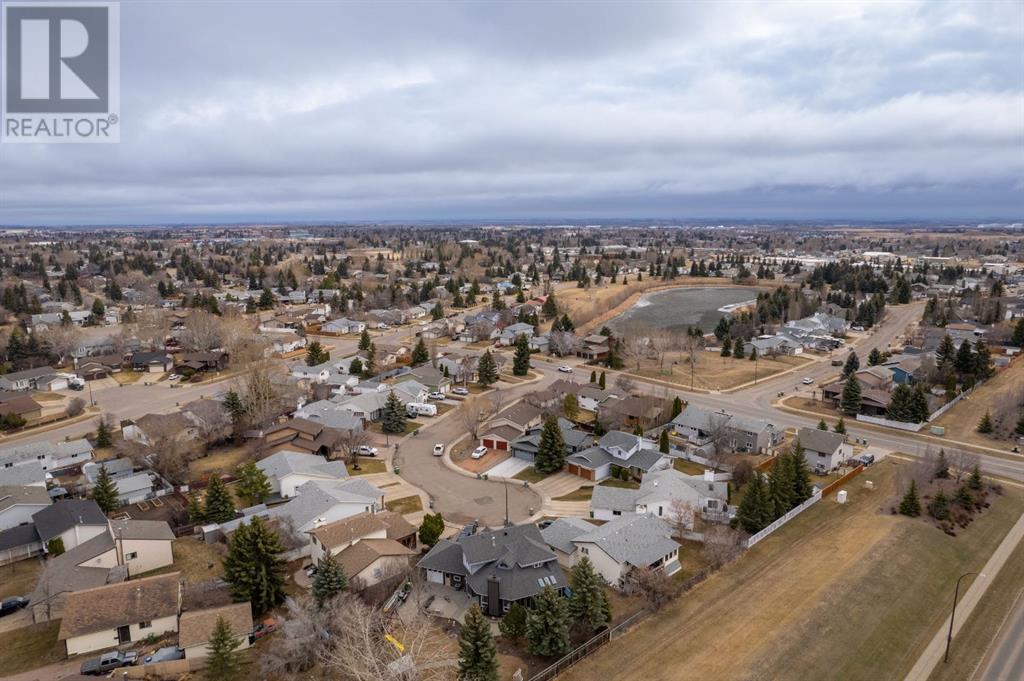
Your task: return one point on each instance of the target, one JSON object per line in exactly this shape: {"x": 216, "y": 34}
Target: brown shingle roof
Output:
{"x": 361, "y": 555}
{"x": 197, "y": 627}
{"x": 348, "y": 529}
{"x": 113, "y": 605}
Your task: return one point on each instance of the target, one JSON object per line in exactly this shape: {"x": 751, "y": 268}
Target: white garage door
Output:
{"x": 435, "y": 576}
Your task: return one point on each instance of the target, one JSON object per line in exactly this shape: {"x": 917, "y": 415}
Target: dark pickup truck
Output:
{"x": 107, "y": 662}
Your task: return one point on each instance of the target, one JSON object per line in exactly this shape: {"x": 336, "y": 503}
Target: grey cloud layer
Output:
{"x": 276, "y": 111}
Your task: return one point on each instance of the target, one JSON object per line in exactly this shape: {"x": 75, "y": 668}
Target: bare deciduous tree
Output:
{"x": 722, "y": 544}
{"x": 476, "y": 410}
{"x": 204, "y": 331}
{"x": 563, "y": 343}
{"x": 681, "y": 515}
{"x": 152, "y": 327}
{"x": 350, "y": 442}
{"x": 654, "y": 586}
{"x": 720, "y": 437}
{"x": 63, "y": 340}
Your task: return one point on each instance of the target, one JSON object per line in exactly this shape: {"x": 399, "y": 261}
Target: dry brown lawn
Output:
{"x": 17, "y": 579}
{"x": 1005, "y": 388}
{"x": 714, "y": 372}
{"x": 197, "y": 561}
{"x": 222, "y": 460}
{"x": 841, "y": 592}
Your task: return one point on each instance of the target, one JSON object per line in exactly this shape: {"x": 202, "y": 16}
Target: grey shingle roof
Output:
{"x": 64, "y": 515}
{"x": 819, "y": 440}
{"x": 287, "y": 462}
{"x": 615, "y": 498}
{"x": 636, "y": 540}
{"x": 559, "y": 534}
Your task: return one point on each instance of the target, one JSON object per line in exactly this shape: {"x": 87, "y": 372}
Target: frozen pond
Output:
{"x": 678, "y": 308}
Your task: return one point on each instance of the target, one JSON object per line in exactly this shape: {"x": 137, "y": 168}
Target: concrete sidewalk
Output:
{"x": 932, "y": 655}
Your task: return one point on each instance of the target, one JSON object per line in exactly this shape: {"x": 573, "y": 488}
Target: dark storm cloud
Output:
{"x": 279, "y": 111}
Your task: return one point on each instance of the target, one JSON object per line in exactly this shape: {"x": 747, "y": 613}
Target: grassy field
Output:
{"x": 714, "y": 372}
{"x": 129, "y": 377}
{"x": 193, "y": 559}
{"x": 404, "y": 505}
{"x": 688, "y": 467}
{"x": 17, "y": 579}
{"x": 222, "y": 460}
{"x": 961, "y": 421}
{"x": 865, "y": 588}
{"x": 530, "y": 475}
{"x": 30, "y": 647}
{"x": 367, "y": 467}
{"x": 980, "y": 630}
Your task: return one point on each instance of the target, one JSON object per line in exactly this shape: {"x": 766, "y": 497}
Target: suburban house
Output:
{"x": 559, "y": 535}
{"x": 21, "y": 405}
{"x": 19, "y": 543}
{"x": 664, "y": 494}
{"x": 318, "y": 373}
{"x": 27, "y": 474}
{"x": 703, "y": 427}
{"x": 875, "y": 385}
{"x": 95, "y": 368}
{"x": 593, "y": 348}
{"x": 73, "y": 521}
{"x": 621, "y": 545}
{"x": 287, "y": 470}
{"x": 510, "y": 425}
{"x": 630, "y": 412}
{"x": 142, "y": 545}
{"x": 616, "y": 448}
{"x": 152, "y": 362}
{"x": 40, "y": 378}
{"x": 496, "y": 568}
{"x": 19, "y": 504}
{"x": 824, "y": 451}
{"x": 371, "y": 547}
{"x": 203, "y": 361}
{"x": 434, "y": 380}
{"x": 303, "y": 435}
{"x": 114, "y": 614}
{"x": 197, "y": 626}
{"x": 526, "y": 446}
{"x": 342, "y": 326}
{"x": 512, "y": 332}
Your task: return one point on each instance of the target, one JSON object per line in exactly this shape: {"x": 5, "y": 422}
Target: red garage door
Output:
{"x": 488, "y": 443}
{"x": 502, "y": 445}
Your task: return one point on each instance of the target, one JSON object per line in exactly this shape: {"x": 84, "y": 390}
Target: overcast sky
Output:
{"x": 286, "y": 110}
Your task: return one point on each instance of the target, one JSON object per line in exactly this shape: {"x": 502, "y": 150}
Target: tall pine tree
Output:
{"x": 219, "y": 506}
{"x": 487, "y": 370}
{"x": 223, "y": 663}
{"x": 588, "y": 604}
{"x": 851, "y": 397}
{"x": 329, "y": 580}
{"x": 420, "y": 354}
{"x": 394, "y": 416}
{"x": 521, "y": 359}
{"x": 253, "y": 486}
{"x": 547, "y": 625}
{"x": 478, "y": 656}
{"x": 550, "y": 457}
{"x": 105, "y": 491}
{"x": 252, "y": 566}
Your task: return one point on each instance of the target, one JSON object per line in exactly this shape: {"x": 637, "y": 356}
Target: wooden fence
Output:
{"x": 831, "y": 487}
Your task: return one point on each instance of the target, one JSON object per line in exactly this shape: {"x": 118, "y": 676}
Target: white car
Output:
{"x": 565, "y": 369}
{"x": 459, "y": 391}
{"x": 366, "y": 450}
{"x": 173, "y": 377}
{"x": 479, "y": 452}
{"x": 808, "y": 380}
{"x": 439, "y": 449}
{"x": 436, "y": 396}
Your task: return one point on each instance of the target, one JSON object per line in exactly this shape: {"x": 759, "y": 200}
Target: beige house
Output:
{"x": 197, "y": 627}
{"x": 370, "y": 547}
{"x": 142, "y": 545}
{"x": 114, "y": 614}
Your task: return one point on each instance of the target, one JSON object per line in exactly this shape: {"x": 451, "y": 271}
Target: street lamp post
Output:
{"x": 952, "y": 616}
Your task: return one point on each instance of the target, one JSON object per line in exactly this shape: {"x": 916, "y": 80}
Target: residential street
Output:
{"x": 1006, "y": 659}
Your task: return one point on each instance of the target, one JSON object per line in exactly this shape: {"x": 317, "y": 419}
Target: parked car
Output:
{"x": 366, "y": 450}
{"x": 12, "y": 605}
{"x": 439, "y": 450}
{"x": 460, "y": 391}
{"x": 108, "y": 662}
{"x": 174, "y": 377}
{"x": 837, "y": 362}
{"x": 565, "y": 369}
{"x": 436, "y": 396}
{"x": 264, "y": 628}
{"x": 866, "y": 459}
{"x": 479, "y": 452}
{"x": 165, "y": 655}
{"x": 808, "y": 380}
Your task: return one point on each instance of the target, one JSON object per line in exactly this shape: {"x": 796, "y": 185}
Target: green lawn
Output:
{"x": 581, "y": 494}
{"x": 688, "y": 467}
{"x": 625, "y": 484}
{"x": 404, "y": 505}
{"x": 367, "y": 467}
{"x": 378, "y": 427}
{"x": 530, "y": 475}
{"x": 18, "y": 579}
{"x": 30, "y": 647}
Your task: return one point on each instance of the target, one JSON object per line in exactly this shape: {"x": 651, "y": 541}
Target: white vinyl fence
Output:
{"x": 782, "y": 520}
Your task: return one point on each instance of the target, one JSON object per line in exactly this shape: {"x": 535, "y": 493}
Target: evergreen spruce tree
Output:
{"x": 550, "y": 457}
{"x": 963, "y": 497}
{"x": 420, "y": 354}
{"x": 547, "y": 626}
{"x": 223, "y": 663}
{"x": 252, "y": 566}
{"x": 369, "y": 364}
{"x": 521, "y": 359}
{"x": 939, "y": 508}
{"x": 329, "y": 580}
{"x": 982, "y": 361}
{"x": 253, "y": 486}
{"x": 822, "y": 425}
{"x": 1018, "y": 334}
{"x": 233, "y": 406}
{"x": 874, "y": 357}
{"x": 431, "y": 529}
{"x": 919, "y": 410}
{"x": 851, "y": 397}
{"x": 478, "y": 656}
{"x": 663, "y": 443}
{"x": 1020, "y": 425}
{"x": 364, "y": 340}
{"x": 588, "y": 605}
{"x": 910, "y": 504}
{"x": 105, "y": 491}
{"x": 975, "y": 481}
{"x": 851, "y": 365}
{"x": 355, "y": 367}
{"x": 985, "y": 425}
{"x": 219, "y": 506}
{"x": 945, "y": 354}
{"x": 840, "y": 426}
{"x": 754, "y": 514}
{"x": 753, "y": 354}
{"x": 316, "y": 354}
{"x": 487, "y": 370}
{"x": 964, "y": 361}
{"x": 941, "y": 466}
{"x": 780, "y": 486}
{"x": 196, "y": 515}
{"x": 513, "y": 624}
{"x": 737, "y": 349}
{"x": 550, "y": 307}
{"x": 394, "y": 416}
{"x": 593, "y": 376}
{"x": 103, "y": 438}
{"x": 602, "y": 381}
{"x": 571, "y": 406}
{"x": 801, "y": 475}
{"x": 899, "y": 408}
{"x": 727, "y": 348}
{"x": 677, "y": 406}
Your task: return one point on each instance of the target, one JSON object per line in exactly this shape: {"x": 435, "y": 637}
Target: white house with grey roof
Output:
{"x": 288, "y": 470}
{"x": 621, "y": 545}
{"x": 660, "y": 494}
{"x": 823, "y": 451}
{"x": 617, "y": 448}
{"x": 51, "y": 456}
{"x": 703, "y": 427}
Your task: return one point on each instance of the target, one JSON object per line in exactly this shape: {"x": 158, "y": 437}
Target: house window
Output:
{"x": 131, "y": 556}
{"x": 712, "y": 503}
{"x": 146, "y": 625}
{"x": 584, "y": 550}
{"x": 616, "y": 512}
